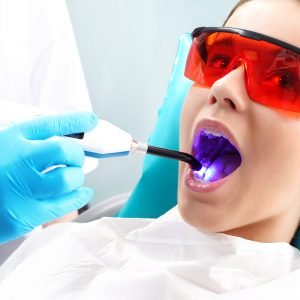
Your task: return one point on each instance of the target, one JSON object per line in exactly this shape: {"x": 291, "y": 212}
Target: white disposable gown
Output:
{"x": 148, "y": 259}
{"x": 39, "y": 61}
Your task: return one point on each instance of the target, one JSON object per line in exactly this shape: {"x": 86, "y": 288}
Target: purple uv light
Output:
{"x": 216, "y": 154}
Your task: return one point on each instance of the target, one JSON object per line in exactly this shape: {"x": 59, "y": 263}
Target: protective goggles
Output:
{"x": 272, "y": 67}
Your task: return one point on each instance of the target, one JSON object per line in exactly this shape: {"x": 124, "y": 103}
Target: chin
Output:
{"x": 202, "y": 217}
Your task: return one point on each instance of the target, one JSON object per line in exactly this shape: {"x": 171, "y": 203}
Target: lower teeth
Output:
{"x": 201, "y": 173}
{"x": 220, "y": 168}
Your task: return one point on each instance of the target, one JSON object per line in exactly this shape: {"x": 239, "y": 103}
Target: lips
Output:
{"x": 216, "y": 148}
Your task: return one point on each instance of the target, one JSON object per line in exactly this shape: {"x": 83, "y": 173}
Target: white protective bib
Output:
{"x": 148, "y": 259}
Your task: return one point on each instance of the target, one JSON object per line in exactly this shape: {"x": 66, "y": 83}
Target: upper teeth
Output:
{"x": 211, "y": 133}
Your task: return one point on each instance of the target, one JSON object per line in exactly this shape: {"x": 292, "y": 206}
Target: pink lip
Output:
{"x": 197, "y": 185}
{"x": 217, "y": 126}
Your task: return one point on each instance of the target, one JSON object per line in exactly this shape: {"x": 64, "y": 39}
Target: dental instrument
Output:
{"x": 107, "y": 140}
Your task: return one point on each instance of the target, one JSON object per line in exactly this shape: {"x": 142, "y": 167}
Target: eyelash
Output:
{"x": 284, "y": 79}
{"x": 276, "y": 76}
{"x": 219, "y": 57}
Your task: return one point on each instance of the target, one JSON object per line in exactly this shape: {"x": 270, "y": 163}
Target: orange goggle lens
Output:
{"x": 272, "y": 72}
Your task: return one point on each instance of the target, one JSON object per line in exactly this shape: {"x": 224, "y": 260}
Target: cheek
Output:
{"x": 271, "y": 164}
{"x": 277, "y": 146}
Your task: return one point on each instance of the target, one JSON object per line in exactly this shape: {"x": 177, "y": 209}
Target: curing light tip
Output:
{"x": 196, "y": 165}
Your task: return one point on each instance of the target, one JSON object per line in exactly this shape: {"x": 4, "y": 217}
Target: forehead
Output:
{"x": 277, "y": 18}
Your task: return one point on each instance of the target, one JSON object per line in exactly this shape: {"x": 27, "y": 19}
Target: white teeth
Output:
{"x": 211, "y": 133}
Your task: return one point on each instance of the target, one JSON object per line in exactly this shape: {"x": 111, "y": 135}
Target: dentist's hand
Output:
{"x": 28, "y": 196}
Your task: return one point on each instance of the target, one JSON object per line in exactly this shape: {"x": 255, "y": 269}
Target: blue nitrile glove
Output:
{"x": 29, "y": 197}
{"x": 156, "y": 191}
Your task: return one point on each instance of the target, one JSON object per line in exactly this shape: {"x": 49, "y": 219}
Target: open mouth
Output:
{"x": 219, "y": 158}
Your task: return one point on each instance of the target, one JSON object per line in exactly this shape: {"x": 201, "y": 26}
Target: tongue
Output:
{"x": 222, "y": 167}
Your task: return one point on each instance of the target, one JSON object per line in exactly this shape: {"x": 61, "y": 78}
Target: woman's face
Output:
{"x": 260, "y": 200}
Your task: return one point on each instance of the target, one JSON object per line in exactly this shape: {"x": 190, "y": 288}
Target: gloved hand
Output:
{"x": 28, "y": 196}
{"x": 156, "y": 191}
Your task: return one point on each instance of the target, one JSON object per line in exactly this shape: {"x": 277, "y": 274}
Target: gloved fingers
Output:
{"x": 58, "y": 151}
{"x": 67, "y": 203}
{"x": 44, "y": 127}
{"x": 58, "y": 182}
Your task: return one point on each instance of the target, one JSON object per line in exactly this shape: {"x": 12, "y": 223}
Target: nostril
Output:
{"x": 213, "y": 100}
{"x": 230, "y": 102}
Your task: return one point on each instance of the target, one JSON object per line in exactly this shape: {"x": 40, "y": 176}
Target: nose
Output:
{"x": 230, "y": 91}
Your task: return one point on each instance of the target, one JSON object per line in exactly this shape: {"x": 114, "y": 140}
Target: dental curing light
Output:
{"x": 107, "y": 140}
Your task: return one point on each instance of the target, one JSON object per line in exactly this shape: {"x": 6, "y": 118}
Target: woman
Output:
{"x": 240, "y": 122}
{"x": 260, "y": 200}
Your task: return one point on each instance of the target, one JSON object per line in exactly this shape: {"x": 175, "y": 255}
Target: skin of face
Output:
{"x": 261, "y": 199}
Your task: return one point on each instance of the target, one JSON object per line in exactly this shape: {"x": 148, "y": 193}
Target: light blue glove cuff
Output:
{"x": 156, "y": 191}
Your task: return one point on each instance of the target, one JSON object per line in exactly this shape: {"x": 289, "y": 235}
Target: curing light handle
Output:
{"x": 107, "y": 140}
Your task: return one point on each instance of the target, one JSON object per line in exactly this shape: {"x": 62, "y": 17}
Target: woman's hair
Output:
{"x": 240, "y": 3}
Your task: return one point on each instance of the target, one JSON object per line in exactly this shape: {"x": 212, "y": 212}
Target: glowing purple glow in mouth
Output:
{"x": 219, "y": 158}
